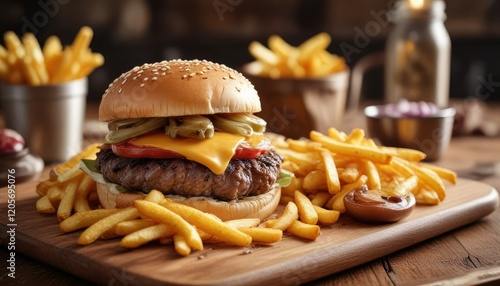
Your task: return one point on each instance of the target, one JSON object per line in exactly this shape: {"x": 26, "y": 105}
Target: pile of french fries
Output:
{"x": 71, "y": 194}
{"x": 282, "y": 60}
{"x": 328, "y": 166}
{"x": 24, "y": 61}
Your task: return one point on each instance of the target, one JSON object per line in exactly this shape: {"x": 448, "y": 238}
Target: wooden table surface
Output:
{"x": 469, "y": 255}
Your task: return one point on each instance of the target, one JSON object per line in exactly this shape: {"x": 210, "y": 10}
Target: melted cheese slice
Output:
{"x": 214, "y": 153}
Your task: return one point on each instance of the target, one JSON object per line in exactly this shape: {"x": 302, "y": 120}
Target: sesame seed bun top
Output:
{"x": 176, "y": 88}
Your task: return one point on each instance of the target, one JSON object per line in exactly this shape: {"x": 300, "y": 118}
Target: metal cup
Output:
{"x": 50, "y": 118}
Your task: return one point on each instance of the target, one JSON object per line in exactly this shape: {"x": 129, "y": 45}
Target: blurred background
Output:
{"x": 131, "y": 32}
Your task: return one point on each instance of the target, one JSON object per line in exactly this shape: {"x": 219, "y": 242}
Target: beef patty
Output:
{"x": 242, "y": 178}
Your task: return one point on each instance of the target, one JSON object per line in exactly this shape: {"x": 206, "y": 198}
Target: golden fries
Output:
{"x": 147, "y": 234}
{"x": 289, "y": 215}
{"x": 85, "y": 219}
{"x": 344, "y": 162}
{"x": 306, "y": 210}
{"x": 26, "y": 62}
{"x": 209, "y": 224}
{"x": 166, "y": 216}
{"x": 281, "y": 60}
{"x": 97, "y": 229}
{"x": 68, "y": 200}
{"x": 263, "y": 235}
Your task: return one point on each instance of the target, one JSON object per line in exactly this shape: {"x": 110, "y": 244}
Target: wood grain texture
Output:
{"x": 342, "y": 246}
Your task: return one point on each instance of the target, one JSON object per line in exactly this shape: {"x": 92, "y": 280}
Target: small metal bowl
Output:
{"x": 429, "y": 134}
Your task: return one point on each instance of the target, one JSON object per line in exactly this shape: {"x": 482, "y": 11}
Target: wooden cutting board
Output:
{"x": 289, "y": 262}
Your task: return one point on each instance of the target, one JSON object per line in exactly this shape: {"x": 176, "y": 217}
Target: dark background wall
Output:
{"x": 131, "y": 32}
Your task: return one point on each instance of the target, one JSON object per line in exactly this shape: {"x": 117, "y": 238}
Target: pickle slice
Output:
{"x": 194, "y": 126}
{"x": 129, "y": 130}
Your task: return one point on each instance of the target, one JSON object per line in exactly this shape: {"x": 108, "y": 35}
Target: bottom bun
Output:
{"x": 260, "y": 206}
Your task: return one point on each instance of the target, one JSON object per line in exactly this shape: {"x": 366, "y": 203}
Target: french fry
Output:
{"x": 262, "y": 235}
{"x": 44, "y": 206}
{"x": 92, "y": 233}
{"x": 71, "y": 168}
{"x": 44, "y": 186}
{"x": 356, "y": 151}
{"x": 332, "y": 176}
{"x": 64, "y": 66}
{"x": 81, "y": 42}
{"x": 304, "y": 230}
{"x": 263, "y": 54}
{"x": 326, "y": 216}
{"x": 166, "y": 216}
{"x": 315, "y": 180}
{"x": 350, "y": 173}
{"x": 129, "y": 226}
{"x": 181, "y": 246}
{"x": 373, "y": 178}
{"x": 52, "y": 53}
{"x": 85, "y": 219}
{"x": 282, "y": 60}
{"x": 29, "y": 71}
{"x": 312, "y": 45}
{"x": 320, "y": 198}
{"x": 55, "y": 195}
{"x": 89, "y": 63}
{"x": 336, "y": 134}
{"x": 280, "y": 47}
{"x": 431, "y": 179}
{"x": 243, "y": 222}
{"x": 289, "y": 215}
{"x": 404, "y": 153}
{"x": 14, "y": 45}
{"x": 82, "y": 193}
{"x": 34, "y": 50}
{"x": 68, "y": 200}
{"x": 445, "y": 174}
{"x": 147, "y": 234}
{"x": 305, "y": 208}
{"x": 402, "y": 167}
{"x": 356, "y": 136}
{"x": 208, "y": 224}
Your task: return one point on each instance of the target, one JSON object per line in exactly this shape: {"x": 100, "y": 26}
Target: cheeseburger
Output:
{"x": 187, "y": 129}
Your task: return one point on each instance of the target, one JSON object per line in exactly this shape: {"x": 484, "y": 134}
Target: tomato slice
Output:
{"x": 128, "y": 150}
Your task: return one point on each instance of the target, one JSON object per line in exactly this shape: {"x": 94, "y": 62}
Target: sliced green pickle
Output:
{"x": 194, "y": 126}
{"x": 125, "y": 130}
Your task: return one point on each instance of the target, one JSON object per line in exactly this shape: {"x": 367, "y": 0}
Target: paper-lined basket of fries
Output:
{"x": 301, "y": 87}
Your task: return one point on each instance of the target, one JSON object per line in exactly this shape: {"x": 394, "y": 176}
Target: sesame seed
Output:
{"x": 184, "y": 76}
{"x": 201, "y": 72}
{"x": 142, "y": 85}
{"x": 164, "y": 73}
{"x": 145, "y": 79}
{"x": 124, "y": 81}
{"x": 134, "y": 78}
{"x": 154, "y": 78}
{"x": 191, "y": 74}
{"x": 120, "y": 90}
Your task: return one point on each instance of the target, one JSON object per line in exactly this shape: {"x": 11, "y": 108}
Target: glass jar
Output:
{"x": 418, "y": 52}
{"x": 19, "y": 167}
